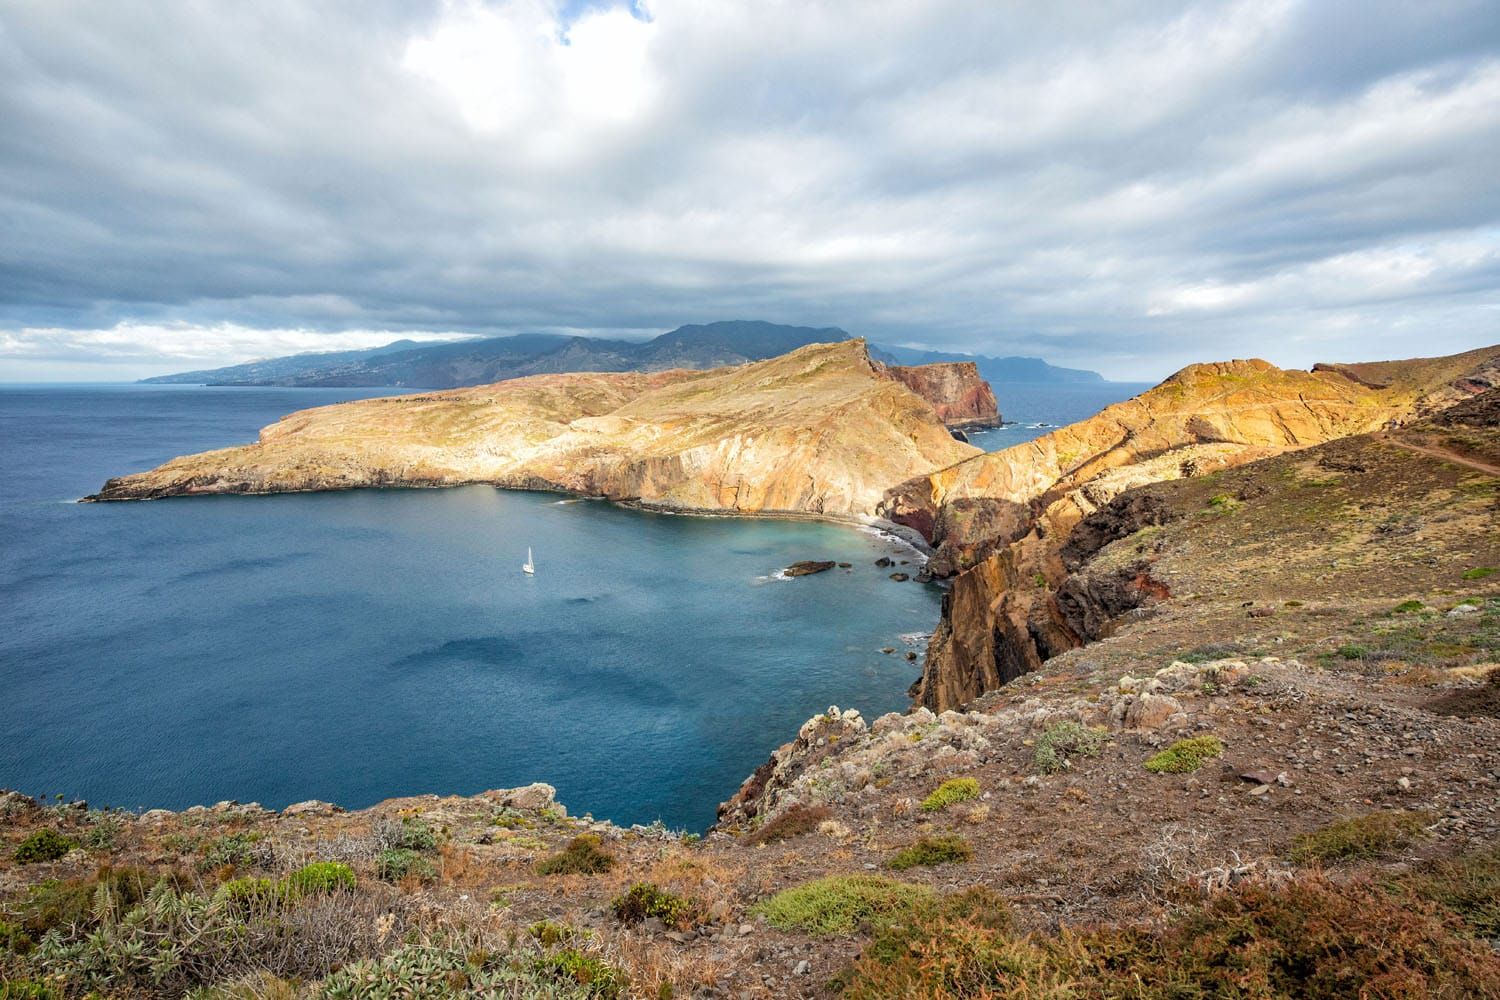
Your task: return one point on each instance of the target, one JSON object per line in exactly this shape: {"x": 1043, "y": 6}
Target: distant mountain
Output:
{"x": 1012, "y": 369}
{"x": 406, "y": 364}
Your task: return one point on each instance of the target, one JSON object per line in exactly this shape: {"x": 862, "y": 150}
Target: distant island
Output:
{"x": 457, "y": 364}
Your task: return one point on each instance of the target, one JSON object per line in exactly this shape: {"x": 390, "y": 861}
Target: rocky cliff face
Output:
{"x": 1001, "y": 522}
{"x": 820, "y": 430}
{"x": 961, "y": 397}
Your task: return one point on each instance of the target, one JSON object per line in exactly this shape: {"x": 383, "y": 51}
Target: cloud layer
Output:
{"x": 1123, "y": 186}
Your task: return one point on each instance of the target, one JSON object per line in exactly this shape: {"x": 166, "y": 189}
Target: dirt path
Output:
{"x": 1444, "y": 454}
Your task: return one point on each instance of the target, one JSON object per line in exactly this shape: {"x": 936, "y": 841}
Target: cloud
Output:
{"x": 1128, "y": 187}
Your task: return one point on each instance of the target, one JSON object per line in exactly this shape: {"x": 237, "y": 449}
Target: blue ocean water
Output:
{"x": 1032, "y": 410}
{"x": 361, "y": 645}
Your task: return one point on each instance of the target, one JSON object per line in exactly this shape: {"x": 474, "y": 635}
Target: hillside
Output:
{"x": 999, "y": 520}
{"x": 481, "y": 361}
{"x": 821, "y": 430}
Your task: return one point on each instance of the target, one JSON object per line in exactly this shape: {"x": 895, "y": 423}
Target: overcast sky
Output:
{"x": 1127, "y": 187}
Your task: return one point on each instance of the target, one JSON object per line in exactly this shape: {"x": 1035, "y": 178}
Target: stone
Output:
{"x": 311, "y": 807}
{"x": 900, "y": 577}
{"x": 803, "y": 968}
{"x": 156, "y": 815}
{"x": 537, "y": 795}
{"x": 808, "y": 567}
{"x": 1258, "y": 777}
{"x": 1151, "y": 711}
{"x": 746, "y": 929}
{"x": 884, "y": 562}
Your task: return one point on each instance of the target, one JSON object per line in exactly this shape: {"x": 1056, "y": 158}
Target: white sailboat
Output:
{"x": 528, "y": 567}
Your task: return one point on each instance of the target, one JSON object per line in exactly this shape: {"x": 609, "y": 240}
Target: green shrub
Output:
{"x": 548, "y": 933}
{"x": 1061, "y": 742}
{"x": 249, "y": 893}
{"x": 645, "y": 900}
{"x": 950, "y": 792}
{"x": 43, "y": 845}
{"x": 1352, "y": 652}
{"x": 595, "y": 976}
{"x": 931, "y": 851}
{"x": 396, "y": 863}
{"x": 838, "y": 904}
{"x": 55, "y": 904}
{"x": 436, "y": 973}
{"x": 1185, "y": 756}
{"x": 1367, "y": 836}
{"x": 13, "y": 938}
{"x": 239, "y": 850}
{"x": 794, "y": 822}
{"x": 321, "y": 877}
{"x": 584, "y": 855}
{"x": 1479, "y": 573}
{"x": 1407, "y": 607}
{"x": 1224, "y": 503}
{"x": 416, "y": 835}
{"x": 27, "y": 989}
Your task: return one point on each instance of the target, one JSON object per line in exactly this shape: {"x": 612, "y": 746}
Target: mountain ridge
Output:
{"x": 456, "y": 364}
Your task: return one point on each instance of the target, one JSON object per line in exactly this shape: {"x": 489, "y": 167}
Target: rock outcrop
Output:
{"x": 962, "y": 398}
{"x": 1002, "y": 522}
{"x": 821, "y": 430}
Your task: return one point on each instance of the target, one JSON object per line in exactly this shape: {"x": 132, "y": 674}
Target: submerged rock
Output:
{"x": 808, "y": 567}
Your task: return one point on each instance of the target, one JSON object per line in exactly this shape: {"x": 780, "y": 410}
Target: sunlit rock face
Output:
{"x": 820, "y": 430}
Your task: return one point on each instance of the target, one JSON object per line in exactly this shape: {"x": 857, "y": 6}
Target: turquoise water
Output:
{"x": 361, "y": 645}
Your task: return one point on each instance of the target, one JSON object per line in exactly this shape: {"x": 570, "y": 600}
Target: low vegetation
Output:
{"x": 584, "y": 855}
{"x": 1185, "y": 756}
{"x": 840, "y": 904}
{"x": 645, "y": 901}
{"x": 795, "y": 821}
{"x": 951, "y": 792}
{"x": 43, "y": 845}
{"x": 322, "y": 876}
{"x": 1309, "y": 938}
{"x": 1062, "y": 742}
{"x": 928, "y": 851}
{"x": 1360, "y": 837}
{"x": 1468, "y": 886}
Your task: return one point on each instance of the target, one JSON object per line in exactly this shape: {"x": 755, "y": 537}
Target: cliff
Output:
{"x": 820, "y": 430}
{"x": 999, "y": 521}
{"x": 961, "y": 398}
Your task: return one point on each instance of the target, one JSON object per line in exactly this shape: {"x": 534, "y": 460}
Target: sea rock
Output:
{"x": 154, "y": 816}
{"x": 537, "y": 795}
{"x": 808, "y": 567}
{"x": 312, "y": 807}
{"x": 959, "y": 396}
{"x": 900, "y": 577}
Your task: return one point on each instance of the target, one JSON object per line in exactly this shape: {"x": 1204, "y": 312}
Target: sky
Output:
{"x": 1126, "y": 187}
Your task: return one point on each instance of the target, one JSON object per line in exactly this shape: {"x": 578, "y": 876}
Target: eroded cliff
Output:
{"x": 1001, "y": 521}
{"x": 820, "y": 430}
{"x": 957, "y": 392}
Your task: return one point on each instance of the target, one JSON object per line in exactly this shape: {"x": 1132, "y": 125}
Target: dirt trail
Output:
{"x": 1444, "y": 454}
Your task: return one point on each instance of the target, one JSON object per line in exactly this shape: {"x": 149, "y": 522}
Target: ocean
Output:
{"x": 367, "y": 644}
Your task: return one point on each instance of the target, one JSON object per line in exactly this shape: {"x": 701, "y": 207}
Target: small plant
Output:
{"x": 1407, "y": 607}
{"x": 1352, "y": 652}
{"x": 43, "y": 845}
{"x": 397, "y": 863}
{"x": 321, "y": 877}
{"x": 584, "y": 855}
{"x": 1186, "y": 756}
{"x": 597, "y": 977}
{"x": 1224, "y": 503}
{"x": 838, "y": 904}
{"x": 27, "y": 989}
{"x": 1359, "y": 837}
{"x": 1065, "y": 740}
{"x": 548, "y": 933}
{"x": 1479, "y": 573}
{"x": 952, "y": 791}
{"x": 931, "y": 851}
{"x": 101, "y": 835}
{"x": 645, "y": 901}
{"x": 1467, "y": 885}
{"x": 241, "y": 850}
{"x": 794, "y": 822}
{"x": 249, "y": 894}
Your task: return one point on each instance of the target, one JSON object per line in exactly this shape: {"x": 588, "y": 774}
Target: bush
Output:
{"x": 584, "y": 855}
{"x": 950, "y": 792}
{"x": 436, "y": 973}
{"x": 645, "y": 900}
{"x": 68, "y": 905}
{"x": 322, "y": 876}
{"x": 548, "y": 933}
{"x": 794, "y": 822}
{"x": 1359, "y": 837}
{"x": 1065, "y": 740}
{"x": 1468, "y": 886}
{"x": 27, "y": 989}
{"x": 43, "y": 845}
{"x": 838, "y": 904}
{"x": 1186, "y": 756}
{"x": 249, "y": 893}
{"x": 397, "y": 863}
{"x": 238, "y": 850}
{"x": 416, "y": 835}
{"x": 1407, "y": 607}
{"x": 1311, "y": 938}
{"x": 931, "y": 851}
{"x": 1479, "y": 573}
